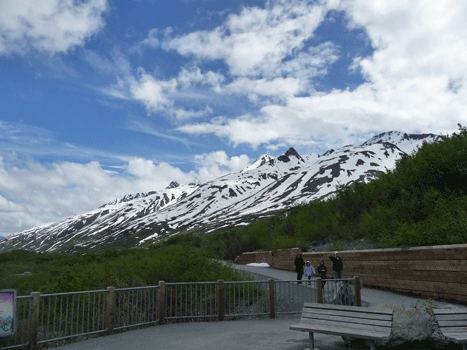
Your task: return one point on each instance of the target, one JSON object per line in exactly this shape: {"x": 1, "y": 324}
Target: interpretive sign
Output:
{"x": 7, "y": 312}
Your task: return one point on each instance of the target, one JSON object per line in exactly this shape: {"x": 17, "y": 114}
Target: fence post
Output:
{"x": 110, "y": 310}
{"x": 357, "y": 289}
{"x": 272, "y": 307}
{"x": 34, "y": 320}
{"x": 220, "y": 299}
{"x": 161, "y": 302}
{"x": 319, "y": 290}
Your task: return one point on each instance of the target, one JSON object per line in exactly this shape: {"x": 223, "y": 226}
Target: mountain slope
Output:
{"x": 267, "y": 186}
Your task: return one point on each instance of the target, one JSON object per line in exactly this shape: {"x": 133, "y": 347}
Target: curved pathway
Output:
{"x": 254, "y": 334}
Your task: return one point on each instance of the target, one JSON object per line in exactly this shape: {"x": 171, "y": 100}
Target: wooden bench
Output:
{"x": 346, "y": 321}
{"x": 452, "y": 324}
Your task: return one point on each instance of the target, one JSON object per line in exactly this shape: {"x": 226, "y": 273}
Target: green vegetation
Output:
{"x": 427, "y": 306}
{"x": 423, "y": 201}
{"x": 56, "y": 273}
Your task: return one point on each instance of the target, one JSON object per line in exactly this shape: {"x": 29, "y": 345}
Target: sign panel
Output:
{"x": 7, "y": 312}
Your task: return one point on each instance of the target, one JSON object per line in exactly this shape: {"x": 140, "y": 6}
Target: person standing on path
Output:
{"x": 299, "y": 263}
{"x": 322, "y": 272}
{"x": 337, "y": 265}
{"x": 309, "y": 271}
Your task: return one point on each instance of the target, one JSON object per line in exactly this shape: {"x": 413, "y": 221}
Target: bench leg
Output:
{"x": 312, "y": 340}
{"x": 464, "y": 346}
{"x": 371, "y": 343}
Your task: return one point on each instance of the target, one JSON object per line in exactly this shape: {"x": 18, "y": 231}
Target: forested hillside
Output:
{"x": 423, "y": 201}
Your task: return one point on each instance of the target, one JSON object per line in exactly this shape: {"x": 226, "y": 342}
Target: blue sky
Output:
{"x": 101, "y": 98}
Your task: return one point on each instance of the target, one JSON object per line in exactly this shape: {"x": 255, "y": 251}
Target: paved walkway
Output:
{"x": 255, "y": 334}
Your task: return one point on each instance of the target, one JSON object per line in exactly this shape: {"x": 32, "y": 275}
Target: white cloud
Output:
{"x": 415, "y": 79}
{"x": 152, "y": 92}
{"x": 193, "y": 76}
{"x": 33, "y": 194}
{"x": 182, "y": 114}
{"x": 216, "y": 164}
{"x": 8, "y": 206}
{"x": 254, "y": 42}
{"x": 246, "y": 129}
{"x": 281, "y": 88}
{"x": 39, "y": 194}
{"x": 50, "y": 26}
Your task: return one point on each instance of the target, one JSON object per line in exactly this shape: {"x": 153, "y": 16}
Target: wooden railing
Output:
{"x": 57, "y": 318}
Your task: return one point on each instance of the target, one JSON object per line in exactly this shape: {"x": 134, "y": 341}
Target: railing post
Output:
{"x": 161, "y": 302}
{"x": 357, "y": 289}
{"x": 272, "y": 306}
{"x": 34, "y": 320}
{"x": 110, "y": 310}
{"x": 220, "y": 299}
{"x": 319, "y": 290}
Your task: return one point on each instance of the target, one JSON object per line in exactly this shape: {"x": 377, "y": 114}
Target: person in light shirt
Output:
{"x": 309, "y": 271}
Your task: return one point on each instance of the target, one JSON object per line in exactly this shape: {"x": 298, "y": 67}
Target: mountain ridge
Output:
{"x": 268, "y": 186}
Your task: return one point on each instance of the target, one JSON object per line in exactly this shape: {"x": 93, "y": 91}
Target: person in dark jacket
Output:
{"x": 299, "y": 263}
{"x": 337, "y": 265}
{"x": 322, "y": 272}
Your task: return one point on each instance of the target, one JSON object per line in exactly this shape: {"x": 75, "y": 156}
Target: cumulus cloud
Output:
{"x": 216, "y": 164}
{"x": 262, "y": 48}
{"x": 152, "y": 92}
{"x": 254, "y": 42}
{"x": 415, "y": 76}
{"x": 50, "y": 26}
{"x": 246, "y": 129}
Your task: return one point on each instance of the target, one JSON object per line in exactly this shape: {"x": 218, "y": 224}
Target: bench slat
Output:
{"x": 344, "y": 325}
{"x": 346, "y": 308}
{"x": 341, "y": 331}
{"x": 452, "y": 324}
{"x": 456, "y": 338}
{"x": 369, "y": 316}
{"x": 455, "y": 323}
{"x": 450, "y": 311}
{"x": 345, "y": 318}
{"x": 454, "y": 330}
{"x": 451, "y": 317}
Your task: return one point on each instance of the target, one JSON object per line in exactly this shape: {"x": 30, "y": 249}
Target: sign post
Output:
{"x": 8, "y": 319}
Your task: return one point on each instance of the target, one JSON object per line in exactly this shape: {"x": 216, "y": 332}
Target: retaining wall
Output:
{"x": 437, "y": 271}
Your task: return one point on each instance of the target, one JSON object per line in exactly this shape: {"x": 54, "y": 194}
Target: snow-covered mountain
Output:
{"x": 267, "y": 186}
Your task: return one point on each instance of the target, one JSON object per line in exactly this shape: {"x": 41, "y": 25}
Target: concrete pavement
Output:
{"x": 257, "y": 334}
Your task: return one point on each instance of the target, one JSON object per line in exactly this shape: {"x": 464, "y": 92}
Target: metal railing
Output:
{"x": 60, "y": 317}
{"x": 191, "y": 300}
{"x": 290, "y": 295}
{"x": 340, "y": 292}
{"x": 135, "y": 307}
{"x": 70, "y": 315}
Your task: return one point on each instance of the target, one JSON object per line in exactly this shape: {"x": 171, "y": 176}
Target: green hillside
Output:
{"x": 423, "y": 201}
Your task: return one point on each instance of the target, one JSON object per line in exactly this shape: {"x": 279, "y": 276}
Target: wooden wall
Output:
{"x": 437, "y": 271}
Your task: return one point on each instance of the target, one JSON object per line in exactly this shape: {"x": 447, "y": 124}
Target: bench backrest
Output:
{"x": 451, "y": 321}
{"x": 335, "y": 317}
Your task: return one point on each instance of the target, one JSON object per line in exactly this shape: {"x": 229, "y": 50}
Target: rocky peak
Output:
{"x": 173, "y": 184}
{"x": 291, "y": 152}
{"x": 327, "y": 153}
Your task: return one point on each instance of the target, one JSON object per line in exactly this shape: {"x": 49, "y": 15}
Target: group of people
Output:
{"x": 306, "y": 268}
